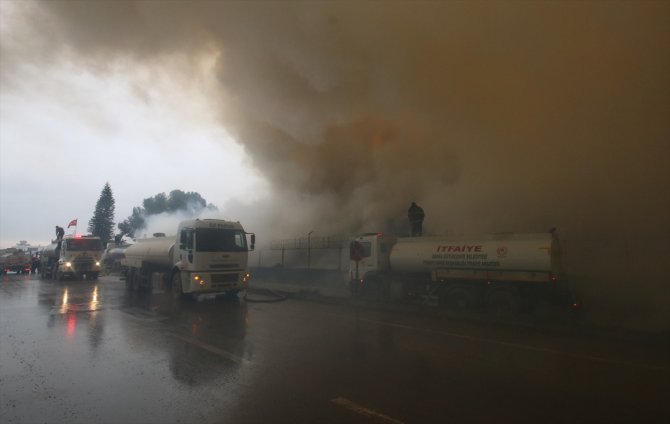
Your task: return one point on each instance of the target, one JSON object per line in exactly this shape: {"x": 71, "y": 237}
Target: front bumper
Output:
{"x": 217, "y": 282}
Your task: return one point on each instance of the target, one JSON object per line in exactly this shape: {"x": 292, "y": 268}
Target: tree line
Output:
{"x": 102, "y": 222}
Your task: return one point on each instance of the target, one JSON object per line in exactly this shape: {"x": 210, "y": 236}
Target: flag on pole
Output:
{"x": 72, "y": 223}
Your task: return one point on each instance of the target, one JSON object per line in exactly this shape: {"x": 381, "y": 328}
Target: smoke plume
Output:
{"x": 493, "y": 116}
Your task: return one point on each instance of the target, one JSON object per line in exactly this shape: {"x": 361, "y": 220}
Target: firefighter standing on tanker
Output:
{"x": 415, "y": 214}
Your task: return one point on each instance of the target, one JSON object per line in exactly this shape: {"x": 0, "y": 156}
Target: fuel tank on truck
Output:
{"x": 504, "y": 252}
{"x": 50, "y": 251}
{"x": 116, "y": 253}
{"x": 156, "y": 251}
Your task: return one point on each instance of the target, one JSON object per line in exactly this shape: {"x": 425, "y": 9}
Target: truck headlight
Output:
{"x": 199, "y": 280}
{"x": 68, "y": 264}
{"x": 246, "y": 277}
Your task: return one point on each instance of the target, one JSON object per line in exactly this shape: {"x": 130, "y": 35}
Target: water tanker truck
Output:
{"x": 504, "y": 272}
{"x": 15, "y": 261}
{"x": 206, "y": 256}
{"x": 75, "y": 257}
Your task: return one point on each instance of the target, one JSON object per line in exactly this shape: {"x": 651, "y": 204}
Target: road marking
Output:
{"x": 601, "y": 359}
{"x": 213, "y": 349}
{"x": 361, "y": 410}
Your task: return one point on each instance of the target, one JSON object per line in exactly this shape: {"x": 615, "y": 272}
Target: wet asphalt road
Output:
{"x": 84, "y": 352}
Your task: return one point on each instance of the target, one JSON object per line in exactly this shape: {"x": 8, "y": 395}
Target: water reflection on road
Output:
{"x": 205, "y": 339}
{"x": 87, "y": 351}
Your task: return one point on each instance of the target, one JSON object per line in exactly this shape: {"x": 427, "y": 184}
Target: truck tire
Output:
{"x": 457, "y": 297}
{"x": 175, "y": 287}
{"x": 502, "y": 301}
{"x": 130, "y": 280}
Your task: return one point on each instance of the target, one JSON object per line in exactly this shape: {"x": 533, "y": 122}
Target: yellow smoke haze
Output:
{"x": 493, "y": 116}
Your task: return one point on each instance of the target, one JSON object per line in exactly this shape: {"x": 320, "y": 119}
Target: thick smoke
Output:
{"x": 494, "y": 116}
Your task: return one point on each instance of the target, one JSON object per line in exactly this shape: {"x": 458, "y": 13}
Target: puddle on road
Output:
{"x": 66, "y": 307}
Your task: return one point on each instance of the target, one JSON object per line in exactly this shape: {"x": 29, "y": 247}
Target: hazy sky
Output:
{"x": 334, "y": 116}
{"x": 67, "y": 128}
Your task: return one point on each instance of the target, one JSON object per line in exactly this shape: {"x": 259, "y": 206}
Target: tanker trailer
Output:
{"x": 75, "y": 257}
{"x": 504, "y": 272}
{"x": 113, "y": 255}
{"x": 48, "y": 257}
{"x": 206, "y": 256}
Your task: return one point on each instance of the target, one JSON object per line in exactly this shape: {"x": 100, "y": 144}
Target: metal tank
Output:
{"x": 505, "y": 252}
{"x": 50, "y": 251}
{"x": 156, "y": 251}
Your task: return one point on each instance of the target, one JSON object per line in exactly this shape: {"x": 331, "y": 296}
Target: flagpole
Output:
{"x": 76, "y": 221}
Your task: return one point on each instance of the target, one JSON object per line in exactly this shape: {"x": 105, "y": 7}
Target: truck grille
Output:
{"x": 224, "y": 266}
{"x": 224, "y": 278}
{"x": 83, "y": 264}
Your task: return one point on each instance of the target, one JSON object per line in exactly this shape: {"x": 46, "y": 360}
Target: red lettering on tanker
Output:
{"x": 463, "y": 248}
{"x": 502, "y": 251}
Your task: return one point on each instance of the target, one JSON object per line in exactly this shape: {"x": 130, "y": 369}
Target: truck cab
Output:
{"x": 369, "y": 260}
{"x": 212, "y": 256}
{"x": 76, "y": 257}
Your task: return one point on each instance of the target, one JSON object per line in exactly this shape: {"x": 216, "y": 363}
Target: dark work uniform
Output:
{"x": 415, "y": 214}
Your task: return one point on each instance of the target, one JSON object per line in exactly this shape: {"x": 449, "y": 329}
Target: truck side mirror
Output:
{"x": 253, "y": 241}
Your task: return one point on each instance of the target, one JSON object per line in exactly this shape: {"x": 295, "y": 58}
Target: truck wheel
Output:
{"x": 130, "y": 280}
{"x": 459, "y": 298}
{"x": 175, "y": 288}
{"x": 502, "y": 302}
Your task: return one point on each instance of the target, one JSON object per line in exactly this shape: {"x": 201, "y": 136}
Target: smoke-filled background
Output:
{"x": 493, "y": 116}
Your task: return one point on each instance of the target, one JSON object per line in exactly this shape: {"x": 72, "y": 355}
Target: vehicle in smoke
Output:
{"x": 15, "y": 260}
{"x": 75, "y": 257}
{"x": 206, "y": 256}
{"x": 505, "y": 272}
{"x": 113, "y": 255}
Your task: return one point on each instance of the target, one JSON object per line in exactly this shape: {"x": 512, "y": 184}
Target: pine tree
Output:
{"x": 102, "y": 223}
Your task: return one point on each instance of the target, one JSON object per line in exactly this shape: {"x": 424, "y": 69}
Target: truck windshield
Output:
{"x": 220, "y": 240}
{"x": 84, "y": 244}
